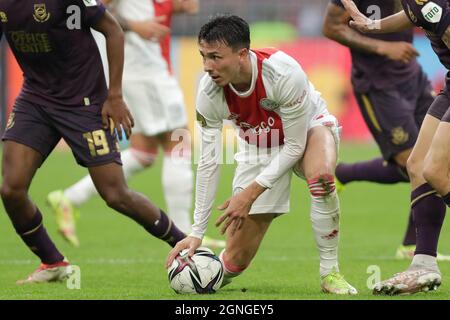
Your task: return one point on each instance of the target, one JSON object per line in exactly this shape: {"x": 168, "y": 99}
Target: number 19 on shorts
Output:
{"x": 97, "y": 142}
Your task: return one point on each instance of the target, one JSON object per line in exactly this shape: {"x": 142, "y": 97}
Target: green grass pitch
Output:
{"x": 118, "y": 260}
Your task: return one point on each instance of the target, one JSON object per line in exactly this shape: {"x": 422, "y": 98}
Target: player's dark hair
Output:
{"x": 229, "y": 29}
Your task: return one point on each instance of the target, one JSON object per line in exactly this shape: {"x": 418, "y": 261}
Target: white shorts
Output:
{"x": 251, "y": 162}
{"x": 157, "y": 105}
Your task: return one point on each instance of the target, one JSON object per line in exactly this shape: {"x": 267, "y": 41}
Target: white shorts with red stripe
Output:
{"x": 251, "y": 161}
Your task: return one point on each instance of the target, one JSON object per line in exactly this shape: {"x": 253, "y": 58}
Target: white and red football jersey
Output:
{"x": 145, "y": 58}
{"x": 275, "y": 112}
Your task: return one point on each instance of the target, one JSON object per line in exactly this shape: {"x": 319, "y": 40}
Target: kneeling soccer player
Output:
{"x": 284, "y": 126}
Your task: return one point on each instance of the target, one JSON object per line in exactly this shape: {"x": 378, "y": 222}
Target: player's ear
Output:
{"x": 243, "y": 53}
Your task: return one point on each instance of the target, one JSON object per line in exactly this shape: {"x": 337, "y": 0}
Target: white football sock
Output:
{"x": 177, "y": 181}
{"x": 325, "y": 221}
{"x": 424, "y": 261}
{"x": 84, "y": 189}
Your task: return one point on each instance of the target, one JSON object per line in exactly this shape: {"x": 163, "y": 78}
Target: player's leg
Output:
{"x": 387, "y": 128}
{"x": 178, "y": 180}
{"x": 242, "y": 246}
{"x": 423, "y": 101}
{"x": 25, "y": 135}
{"x": 111, "y": 185}
{"x": 177, "y": 176}
{"x": 428, "y": 211}
{"x": 317, "y": 166}
{"x": 140, "y": 155}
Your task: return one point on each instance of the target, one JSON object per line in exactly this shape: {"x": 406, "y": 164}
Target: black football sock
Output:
{"x": 376, "y": 170}
{"x": 36, "y": 238}
{"x": 166, "y": 230}
{"x": 429, "y": 213}
{"x": 410, "y": 235}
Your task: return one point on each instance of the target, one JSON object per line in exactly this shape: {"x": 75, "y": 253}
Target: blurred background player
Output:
{"x": 156, "y": 102}
{"x": 393, "y": 94}
{"x": 283, "y": 123}
{"x": 429, "y": 163}
{"x": 64, "y": 95}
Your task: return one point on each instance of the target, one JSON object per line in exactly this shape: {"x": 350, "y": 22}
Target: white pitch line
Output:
{"x": 124, "y": 261}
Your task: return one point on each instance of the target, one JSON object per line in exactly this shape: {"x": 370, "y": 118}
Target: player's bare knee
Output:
{"x": 321, "y": 185}
{"x": 414, "y": 166}
{"x": 236, "y": 261}
{"x": 116, "y": 198}
{"x": 11, "y": 193}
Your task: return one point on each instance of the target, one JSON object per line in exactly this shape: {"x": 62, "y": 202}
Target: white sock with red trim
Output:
{"x": 325, "y": 213}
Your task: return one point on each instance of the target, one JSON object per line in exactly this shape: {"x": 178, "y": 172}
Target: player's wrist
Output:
{"x": 196, "y": 235}
{"x": 115, "y": 94}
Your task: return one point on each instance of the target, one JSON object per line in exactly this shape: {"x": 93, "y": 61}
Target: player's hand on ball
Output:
{"x": 360, "y": 21}
{"x": 116, "y": 110}
{"x": 189, "y": 242}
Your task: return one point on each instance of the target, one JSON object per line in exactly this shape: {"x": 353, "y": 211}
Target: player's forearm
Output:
{"x": 353, "y": 39}
{"x": 335, "y": 27}
{"x": 207, "y": 179}
{"x": 394, "y": 23}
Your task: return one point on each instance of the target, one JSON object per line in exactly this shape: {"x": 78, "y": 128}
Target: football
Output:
{"x": 200, "y": 274}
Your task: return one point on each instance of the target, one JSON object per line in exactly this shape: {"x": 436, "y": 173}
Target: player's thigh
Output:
{"x": 428, "y": 129}
{"x": 244, "y": 243}
{"x": 320, "y": 154}
{"x": 438, "y": 157}
{"x": 82, "y": 129}
{"x": 416, "y": 159}
{"x": 29, "y": 139}
{"x": 391, "y": 120}
{"x": 425, "y": 100}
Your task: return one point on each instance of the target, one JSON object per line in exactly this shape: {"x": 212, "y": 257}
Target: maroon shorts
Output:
{"x": 394, "y": 115}
{"x": 440, "y": 108}
{"x": 41, "y": 128}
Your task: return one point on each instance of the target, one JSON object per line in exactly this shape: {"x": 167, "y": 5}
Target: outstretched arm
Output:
{"x": 394, "y": 23}
{"x": 336, "y": 27}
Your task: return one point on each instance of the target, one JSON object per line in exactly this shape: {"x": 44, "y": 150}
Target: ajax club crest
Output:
{"x": 268, "y": 104}
{"x": 40, "y": 13}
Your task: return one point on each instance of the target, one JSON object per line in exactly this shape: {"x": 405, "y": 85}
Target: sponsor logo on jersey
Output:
{"x": 90, "y": 3}
{"x": 40, "y": 13}
{"x": 3, "y": 17}
{"x": 399, "y": 136}
{"x": 268, "y": 104}
{"x": 432, "y": 12}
